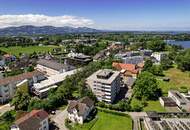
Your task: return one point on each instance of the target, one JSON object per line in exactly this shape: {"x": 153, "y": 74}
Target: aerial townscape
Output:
{"x": 123, "y": 66}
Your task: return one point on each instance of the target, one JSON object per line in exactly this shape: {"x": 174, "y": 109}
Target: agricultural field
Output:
{"x": 16, "y": 50}
{"x": 107, "y": 121}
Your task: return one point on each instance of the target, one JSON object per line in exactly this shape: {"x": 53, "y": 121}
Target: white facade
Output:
{"x": 159, "y": 55}
{"x": 105, "y": 89}
{"x": 48, "y": 71}
{"x": 7, "y": 91}
{"x": 76, "y": 118}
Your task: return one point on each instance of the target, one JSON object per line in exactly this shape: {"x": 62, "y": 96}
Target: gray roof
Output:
{"x": 179, "y": 96}
{"x": 53, "y": 64}
{"x": 81, "y": 105}
{"x": 108, "y": 80}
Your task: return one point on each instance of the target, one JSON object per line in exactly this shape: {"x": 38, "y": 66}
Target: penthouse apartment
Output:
{"x": 105, "y": 84}
{"x": 8, "y": 85}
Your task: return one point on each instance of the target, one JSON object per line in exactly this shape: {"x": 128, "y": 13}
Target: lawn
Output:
{"x": 151, "y": 105}
{"x": 107, "y": 121}
{"x": 178, "y": 80}
{"x": 28, "y": 50}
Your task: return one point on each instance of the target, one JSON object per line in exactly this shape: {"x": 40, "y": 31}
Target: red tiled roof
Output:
{"x": 31, "y": 121}
{"x": 128, "y": 67}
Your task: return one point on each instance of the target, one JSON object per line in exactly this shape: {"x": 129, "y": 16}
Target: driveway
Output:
{"x": 5, "y": 108}
{"x": 59, "y": 119}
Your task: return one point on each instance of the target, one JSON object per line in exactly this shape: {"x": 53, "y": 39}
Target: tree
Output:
{"x": 156, "y": 45}
{"x": 146, "y": 87}
{"x": 166, "y": 63}
{"x": 183, "y": 60}
{"x": 147, "y": 65}
{"x": 21, "y": 100}
{"x": 156, "y": 70}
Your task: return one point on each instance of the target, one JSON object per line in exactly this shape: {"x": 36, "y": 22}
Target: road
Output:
{"x": 59, "y": 119}
{"x": 5, "y": 108}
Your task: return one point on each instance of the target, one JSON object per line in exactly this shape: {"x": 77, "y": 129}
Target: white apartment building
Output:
{"x": 105, "y": 84}
{"x": 8, "y": 85}
{"x": 159, "y": 55}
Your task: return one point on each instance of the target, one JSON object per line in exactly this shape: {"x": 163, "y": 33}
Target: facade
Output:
{"x": 105, "y": 84}
{"x": 51, "y": 67}
{"x": 8, "y": 85}
{"x": 78, "y": 111}
{"x": 35, "y": 120}
{"x": 167, "y": 102}
{"x": 159, "y": 56}
{"x": 133, "y": 59}
{"x": 78, "y": 58}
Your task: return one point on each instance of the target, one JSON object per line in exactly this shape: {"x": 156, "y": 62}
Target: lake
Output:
{"x": 185, "y": 44}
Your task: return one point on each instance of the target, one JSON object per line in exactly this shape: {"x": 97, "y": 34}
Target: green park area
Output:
{"x": 178, "y": 80}
{"x": 107, "y": 121}
{"x": 16, "y": 50}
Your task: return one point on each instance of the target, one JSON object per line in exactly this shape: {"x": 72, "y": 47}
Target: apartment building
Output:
{"x": 105, "y": 84}
{"x": 8, "y": 85}
{"x": 159, "y": 56}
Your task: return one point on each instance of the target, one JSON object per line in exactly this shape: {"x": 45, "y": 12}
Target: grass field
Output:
{"x": 107, "y": 121}
{"x": 28, "y": 50}
{"x": 151, "y": 105}
{"x": 178, "y": 80}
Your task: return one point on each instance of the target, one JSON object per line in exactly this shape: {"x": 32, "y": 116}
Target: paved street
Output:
{"x": 59, "y": 119}
{"x": 5, "y": 108}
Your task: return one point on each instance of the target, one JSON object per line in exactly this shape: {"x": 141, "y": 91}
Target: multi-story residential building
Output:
{"x": 35, "y": 120}
{"x": 79, "y": 110}
{"x": 159, "y": 55}
{"x": 8, "y": 85}
{"x": 105, "y": 84}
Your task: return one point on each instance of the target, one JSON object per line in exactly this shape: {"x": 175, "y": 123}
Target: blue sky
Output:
{"x": 102, "y": 14}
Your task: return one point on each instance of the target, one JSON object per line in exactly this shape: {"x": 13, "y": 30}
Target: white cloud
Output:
{"x": 44, "y": 20}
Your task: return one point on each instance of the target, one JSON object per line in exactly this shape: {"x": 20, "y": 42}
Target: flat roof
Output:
{"x": 104, "y": 72}
{"x": 179, "y": 96}
{"x": 52, "y": 80}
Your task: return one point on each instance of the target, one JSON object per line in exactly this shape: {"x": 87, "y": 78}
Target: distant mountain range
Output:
{"x": 31, "y": 30}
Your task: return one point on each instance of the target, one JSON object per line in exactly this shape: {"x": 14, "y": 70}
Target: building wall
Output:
{"x": 7, "y": 91}
{"x": 105, "y": 92}
{"x": 49, "y": 71}
{"x": 44, "y": 125}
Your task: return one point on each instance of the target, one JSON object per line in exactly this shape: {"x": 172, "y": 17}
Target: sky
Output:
{"x": 99, "y": 14}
